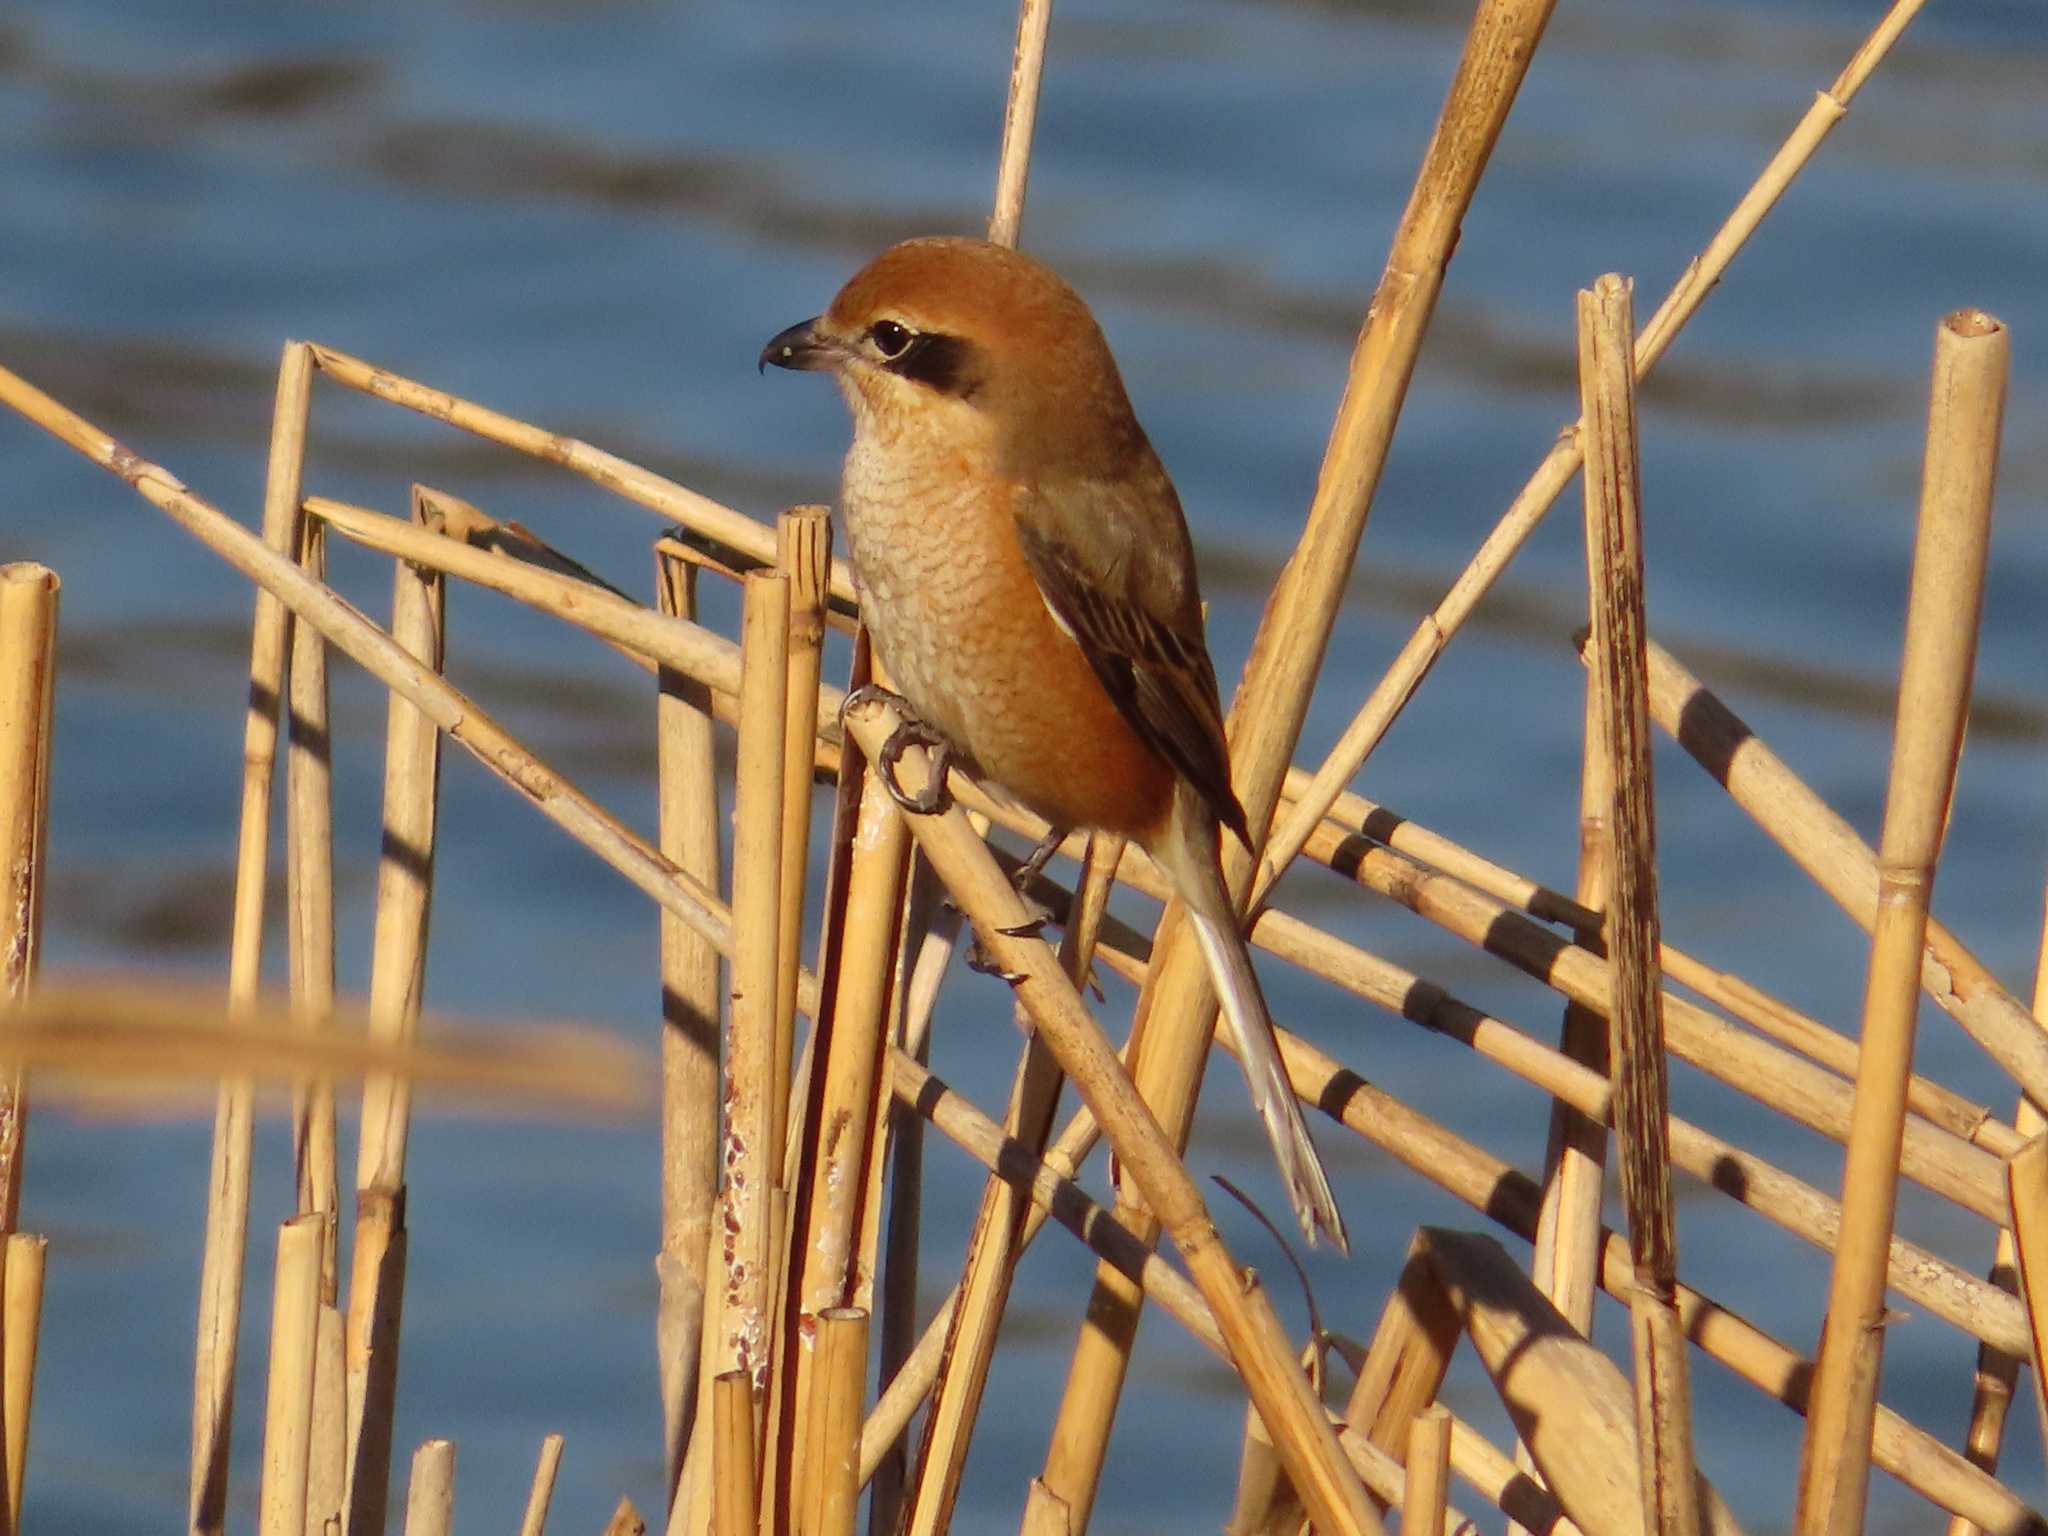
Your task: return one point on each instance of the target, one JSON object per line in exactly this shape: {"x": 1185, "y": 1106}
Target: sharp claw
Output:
{"x": 935, "y": 797}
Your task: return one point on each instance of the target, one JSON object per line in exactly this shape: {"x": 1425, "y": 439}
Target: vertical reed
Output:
{"x": 430, "y": 1497}
{"x": 687, "y": 791}
{"x": 28, "y": 677}
{"x": 227, "y": 1189}
{"x": 803, "y": 546}
{"x": 21, "y": 1310}
{"x": 732, "y": 1455}
{"x": 1020, "y": 116}
{"x": 839, "y": 1384}
{"x": 1964, "y": 417}
{"x": 405, "y": 879}
{"x": 1428, "y": 1482}
{"x": 1642, "y": 1114}
{"x": 288, "y": 1417}
{"x": 541, "y": 1494}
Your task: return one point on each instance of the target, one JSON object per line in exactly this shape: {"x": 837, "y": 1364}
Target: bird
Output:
{"x": 1028, "y": 582}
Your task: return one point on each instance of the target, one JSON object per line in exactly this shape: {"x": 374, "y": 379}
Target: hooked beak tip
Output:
{"x": 800, "y": 347}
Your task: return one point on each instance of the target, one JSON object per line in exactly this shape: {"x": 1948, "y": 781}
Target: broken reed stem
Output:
{"x": 21, "y": 1313}
{"x": 1966, "y": 411}
{"x": 1020, "y": 116}
{"x": 803, "y": 547}
{"x": 309, "y": 901}
{"x": 227, "y": 1188}
{"x": 732, "y": 1455}
{"x": 288, "y": 1416}
{"x": 1258, "y": 1347}
{"x": 751, "y": 1161}
{"x": 623, "y": 478}
{"x": 1177, "y": 1007}
{"x": 1428, "y": 1464}
{"x": 430, "y": 1496}
{"x": 1997, "y": 1370}
{"x": 1551, "y": 477}
{"x": 28, "y": 685}
{"x": 1642, "y": 1111}
{"x": 832, "y": 1462}
{"x": 687, "y": 791}
{"x": 541, "y": 1494}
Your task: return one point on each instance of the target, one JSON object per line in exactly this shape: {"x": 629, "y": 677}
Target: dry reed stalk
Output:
{"x": 554, "y": 796}
{"x": 541, "y": 1494}
{"x": 430, "y": 1496}
{"x": 309, "y": 901}
{"x": 28, "y": 679}
{"x": 852, "y": 1038}
{"x": 832, "y": 1461}
{"x": 732, "y": 1455}
{"x": 710, "y": 659}
{"x": 995, "y": 1242}
{"x": 1258, "y": 1347}
{"x": 1020, "y": 115}
{"x": 687, "y": 790}
{"x": 912, "y": 1381}
{"x": 227, "y": 1190}
{"x": 327, "y": 1468}
{"x": 1177, "y": 1007}
{"x": 1409, "y": 1357}
{"x": 1566, "y": 1266}
{"x": 2026, "y": 1177}
{"x": 1966, "y": 412}
{"x": 628, "y": 480}
{"x": 21, "y": 1313}
{"x": 1264, "y": 1504}
{"x": 745, "y": 1258}
{"x": 1668, "y": 1479}
{"x": 149, "y": 1030}
{"x": 398, "y": 962}
{"x": 1998, "y": 1371}
{"x": 1828, "y": 849}
{"x": 1540, "y": 493}
{"x": 1423, "y": 1496}
{"x": 803, "y": 547}
{"x": 1507, "y": 1196}
{"x": 405, "y": 868}
{"x": 1778, "y": 1078}
{"x": 1571, "y": 1405}
{"x": 288, "y": 1417}
{"x": 625, "y": 1521}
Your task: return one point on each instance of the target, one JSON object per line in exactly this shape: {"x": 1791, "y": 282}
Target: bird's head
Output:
{"x": 976, "y": 336}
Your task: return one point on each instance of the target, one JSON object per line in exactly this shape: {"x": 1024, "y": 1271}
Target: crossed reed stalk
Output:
{"x": 791, "y": 1157}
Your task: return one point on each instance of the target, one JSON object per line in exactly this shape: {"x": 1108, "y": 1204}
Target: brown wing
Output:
{"x": 1156, "y": 672}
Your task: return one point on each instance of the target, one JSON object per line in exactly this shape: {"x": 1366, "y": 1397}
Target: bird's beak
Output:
{"x": 799, "y": 347}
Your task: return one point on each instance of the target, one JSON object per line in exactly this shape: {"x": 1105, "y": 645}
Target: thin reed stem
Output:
{"x": 227, "y": 1186}
{"x": 288, "y": 1417}
{"x": 687, "y": 791}
{"x": 541, "y": 1494}
{"x": 833, "y": 1444}
{"x": 732, "y": 1455}
{"x": 1020, "y": 116}
{"x": 430, "y": 1496}
{"x": 1429, "y": 1473}
{"x": 1971, "y": 359}
{"x": 28, "y": 684}
{"x": 25, "y": 1260}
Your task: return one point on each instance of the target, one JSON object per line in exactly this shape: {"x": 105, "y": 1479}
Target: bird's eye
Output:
{"x": 890, "y": 339}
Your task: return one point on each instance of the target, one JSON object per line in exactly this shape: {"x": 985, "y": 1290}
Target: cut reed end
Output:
{"x": 29, "y": 573}
{"x": 1971, "y": 324}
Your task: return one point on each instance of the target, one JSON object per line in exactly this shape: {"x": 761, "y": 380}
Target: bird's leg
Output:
{"x": 909, "y": 732}
{"x": 1029, "y": 871}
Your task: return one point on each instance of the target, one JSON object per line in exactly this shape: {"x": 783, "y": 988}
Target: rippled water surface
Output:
{"x": 592, "y": 216}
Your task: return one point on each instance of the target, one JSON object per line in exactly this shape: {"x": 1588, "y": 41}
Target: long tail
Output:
{"x": 1200, "y": 884}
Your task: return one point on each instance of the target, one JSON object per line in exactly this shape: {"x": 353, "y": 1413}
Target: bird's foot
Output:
{"x": 935, "y": 797}
{"x": 982, "y": 962}
{"x": 1041, "y": 855}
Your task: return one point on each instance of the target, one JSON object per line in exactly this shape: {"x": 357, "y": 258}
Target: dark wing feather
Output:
{"x": 1159, "y": 677}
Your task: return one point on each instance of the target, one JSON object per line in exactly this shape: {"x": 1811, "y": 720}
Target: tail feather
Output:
{"x": 1244, "y": 1006}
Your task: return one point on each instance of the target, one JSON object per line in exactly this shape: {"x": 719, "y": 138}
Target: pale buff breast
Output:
{"x": 960, "y": 626}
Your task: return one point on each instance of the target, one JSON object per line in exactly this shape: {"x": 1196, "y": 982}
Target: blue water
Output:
{"x": 592, "y": 215}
